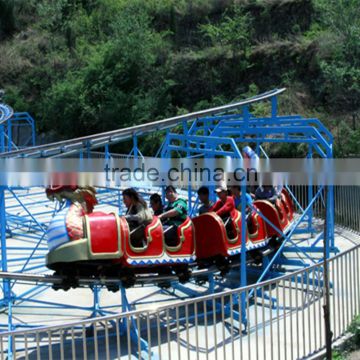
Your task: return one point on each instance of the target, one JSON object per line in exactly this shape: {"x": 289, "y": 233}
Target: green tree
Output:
{"x": 121, "y": 83}
{"x": 233, "y": 30}
{"x": 340, "y": 64}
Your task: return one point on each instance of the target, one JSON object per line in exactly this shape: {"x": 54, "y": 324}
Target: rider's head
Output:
{"x": 203, "y": 194}
{"x": 235, "y": 189}
{"x": 132, "y": 197}
{"x": 222, "y": 192}
{"x": 156, "y": 202}
{"x": 170, "y": 193}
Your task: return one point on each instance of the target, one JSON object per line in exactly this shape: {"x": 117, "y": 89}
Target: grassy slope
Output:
{"x": 111, "y": 63}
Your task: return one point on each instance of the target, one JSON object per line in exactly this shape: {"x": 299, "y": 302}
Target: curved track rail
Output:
{"x": 6, "y": 112}
{"x": 111, "y": 137}
{"x": 140, "y": 279}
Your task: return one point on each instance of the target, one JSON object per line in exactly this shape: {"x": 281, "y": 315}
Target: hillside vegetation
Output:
{"x": 85, "y": 66}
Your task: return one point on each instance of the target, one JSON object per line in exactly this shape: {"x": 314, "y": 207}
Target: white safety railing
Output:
{"x": 285, "y": 321}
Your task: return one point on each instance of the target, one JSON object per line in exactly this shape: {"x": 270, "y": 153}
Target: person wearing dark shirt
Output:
{"x": 203, "y": 194}
{"x": 137, "y": 212}
{"x": 137, "y": 215}
{"x": 156, "y": 204}
{"x": 267, "y": 192}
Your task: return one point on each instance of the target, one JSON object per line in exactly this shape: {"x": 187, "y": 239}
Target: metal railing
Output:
{"x": 285, "y": 321}
{"x": 282, "y": 318}
{"x": 346, "y": 204}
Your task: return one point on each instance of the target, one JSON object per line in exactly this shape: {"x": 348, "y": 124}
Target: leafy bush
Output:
{"x": 340, "y": 68}
{"x": 351, "y": 344}
{"x": 233, "y": 31}
{"x": 120, "y": 84}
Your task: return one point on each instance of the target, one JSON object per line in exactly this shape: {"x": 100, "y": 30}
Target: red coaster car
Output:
{"x": 215, "y": 237}
{"x": 97, "y": 243}
{"x": 108, "y": 241}
{"x": 288, "y": 204}
{"x": 155, "y": 250}
{"x": 256, "y": 228}
{"x": 280, "y": 214}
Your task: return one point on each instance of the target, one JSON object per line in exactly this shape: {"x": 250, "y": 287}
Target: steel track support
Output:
{"x": 7, "y": 299}
{"x": 243, "y": 267}
{"x": 310, "y": 195}
{"x": 96, "y": 310}
{"x": 2, "y": 138}
{"x": 195, "y": 293}
{"x": 129, "y": 323}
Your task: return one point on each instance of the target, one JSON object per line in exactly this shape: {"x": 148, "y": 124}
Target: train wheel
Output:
{"x": 165, "y": 271}
{"x": 184, "y": 274}
{"x": 223, "y": 265}
{"x": 201, "y": 280}
{"x": 111, "y": 272}
{"x": 127, "y": 278}
{"x": 113, "y": 287}
{"x": 69, "y": 280}
{"x": 275, "y": 242}
{"x": 256, "y": 256}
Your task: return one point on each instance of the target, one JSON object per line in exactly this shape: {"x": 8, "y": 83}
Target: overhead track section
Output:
{"x": 74, "y": 146}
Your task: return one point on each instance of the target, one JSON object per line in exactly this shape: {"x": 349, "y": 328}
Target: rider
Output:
{"x": 223, "y": 208}
{"x": 225, "y": 205}
{"x": 236, "y": 192}
{"x": 137, "y": 215}
{"x": 267, "y": 192}
{"x": 203, "y": 194}
{"x": 175, "y": 214}
{"x": 156, "y": 204}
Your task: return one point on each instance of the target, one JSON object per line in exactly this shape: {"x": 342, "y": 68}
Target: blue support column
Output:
{"x": 310, "y": 193}
{"x": 106, "y": 162}
{"x": 135, "y": 147}
{"x": 164, "y": 152}
{"x": 243, "y": 268}
{"x": 96, "y": 304}
{"x": 329, "y": 238}
{"x": 6, "y": 286}
{"x": 107, "y": 152}
{"x": 33, "y": 131}
{"x": 246, "y": 115}
{"x": 186, "y": 131}
{"x": 88, "y": 149}
{"x": 2, "y": 138}
{"x": 274, "y": 106}
{"x": 129, "y": 326}
{"x": 9, "y": 134}
{"x": 332, "y": 217}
